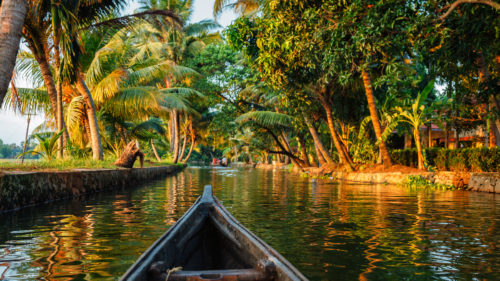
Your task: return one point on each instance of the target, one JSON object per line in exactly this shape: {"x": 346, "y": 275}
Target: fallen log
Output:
{"x": 129, "y": 155}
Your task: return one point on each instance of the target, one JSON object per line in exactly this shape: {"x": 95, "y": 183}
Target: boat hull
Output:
{"x": 208, "y": 243}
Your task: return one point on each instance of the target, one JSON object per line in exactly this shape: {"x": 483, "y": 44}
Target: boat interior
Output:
{"x": 208, "y": 248}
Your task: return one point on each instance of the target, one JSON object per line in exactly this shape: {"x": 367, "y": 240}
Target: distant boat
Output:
{"x": 218, "y": 164}
{"x": 208, "y": 243}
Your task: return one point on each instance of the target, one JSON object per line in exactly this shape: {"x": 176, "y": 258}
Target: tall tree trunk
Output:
{"x": 493, "y": 104}
{"x": 86, "y": 125}
{"x": 155, "y": 151}
{"x": 386, "y": 157}
{"x": 26, "y": 136}
{"x": 176, "y": 136}
{"x": 429, "y": 135}
{"x": 95, "y": 137}
{"x": 12, "y": 14}
{"x": 317, "y": 142}
{"x": 59, "y": 107}
{"x": 171, "y": 130}
{"x": 457, "y": 138}
{"x": 193, "y": 143}
{"x": 492, "y": 137}
{"x": 344, "y": 156}
{"x": 416, "y": 134}
{"x": 235, "y": 154}
{"x": 303, "y": 151}
{"x": 287, "y": 147}
{"x": 320, "y": 157}
{"x": 48, "y": 79}
{"x": 249, "y": 156}
{"x": 183, "y": 149}
{"x": 446, "y": 136}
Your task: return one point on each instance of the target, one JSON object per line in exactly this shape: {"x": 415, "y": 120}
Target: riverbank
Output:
{"x": 481, "y": 182}
{"x": 26, "y": 188}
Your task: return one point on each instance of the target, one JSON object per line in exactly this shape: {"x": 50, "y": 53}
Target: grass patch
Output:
{"x": 421, "y": 182}
{"x": 70, "y": 163}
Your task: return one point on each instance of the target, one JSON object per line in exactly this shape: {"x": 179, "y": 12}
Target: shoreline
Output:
{"x": 19, "y": 189}
{"x": 470, "y": 181}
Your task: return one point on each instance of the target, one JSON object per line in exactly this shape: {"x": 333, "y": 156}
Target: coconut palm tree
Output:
{"x": 242, "y": 7}
{"x": 12, "y": 14}
{"x": 185, "y": 42}
{"x": 125, "y": 78}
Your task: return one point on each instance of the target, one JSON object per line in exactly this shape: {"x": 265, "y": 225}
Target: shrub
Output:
{"x": 463, "y": 159}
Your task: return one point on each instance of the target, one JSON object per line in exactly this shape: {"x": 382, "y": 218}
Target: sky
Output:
{"x": 13, "y": 125}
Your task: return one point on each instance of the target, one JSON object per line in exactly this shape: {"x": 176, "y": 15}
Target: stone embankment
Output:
{"x": 483, "y": 182}
{"x": 20, "y": 189}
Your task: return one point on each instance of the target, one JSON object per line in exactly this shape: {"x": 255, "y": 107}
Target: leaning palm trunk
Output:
{"x": 52, "y": 92}
{"x": 386, "y": 157}
{"x": 12, "y": 14}
{"x": 319, "y": 155}
{"x": 48, "y": 80}
{"x": 344, "y": 156}
{"x": 95, "y": 137}
{"x": 296, "y": 162}
{"x": 183, "y": 149}
{"x": 155, "y": 151}
{"x": 303, "y": 151}
{"x": 318, "y": 143}
{"x": 59, "y": 109}
{"x": 25, "y": 145}
{"x": 193, "y": 143}
{"x": 175, "y": 116}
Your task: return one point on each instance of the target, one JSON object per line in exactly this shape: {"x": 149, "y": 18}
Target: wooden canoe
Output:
{"x": 208, "y": 243}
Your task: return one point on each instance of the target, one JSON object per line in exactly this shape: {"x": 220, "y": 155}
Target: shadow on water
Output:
{"x": 328, "y": 230}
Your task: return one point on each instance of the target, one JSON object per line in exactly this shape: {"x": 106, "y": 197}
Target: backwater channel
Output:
{"x": 329, "y": 231}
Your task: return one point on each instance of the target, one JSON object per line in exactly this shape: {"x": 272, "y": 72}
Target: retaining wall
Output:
{"x": 483, "y": 182}
{"x": 20, "y": 189}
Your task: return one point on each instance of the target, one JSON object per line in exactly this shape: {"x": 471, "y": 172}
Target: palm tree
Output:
{"x": 416, "y": 116}
{"x": 125, "y": 78}
{"x": 12, "y": 14}
{"x": 67, "y": 17}
{"x": 47, "y": 145}
{"x": 185, "y": 42}
{"x": 386, "y": 157}
{"x": 242, "y": 7}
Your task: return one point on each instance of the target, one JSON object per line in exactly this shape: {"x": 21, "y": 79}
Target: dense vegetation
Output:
{"x": 339, "y": 83}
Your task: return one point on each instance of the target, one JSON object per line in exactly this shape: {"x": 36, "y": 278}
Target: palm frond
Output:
{"x": 109, "y": 86}
{"x": 32, "y": 101}
{"x": 268, "y": 119}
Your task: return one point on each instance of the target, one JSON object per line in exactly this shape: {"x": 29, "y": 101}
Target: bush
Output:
{"x": 463, "y": 159}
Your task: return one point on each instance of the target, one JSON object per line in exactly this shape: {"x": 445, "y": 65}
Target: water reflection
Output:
{"x": 329, "y": 231}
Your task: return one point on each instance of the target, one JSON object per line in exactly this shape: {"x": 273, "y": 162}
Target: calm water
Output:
{"x": 328, "y": 231}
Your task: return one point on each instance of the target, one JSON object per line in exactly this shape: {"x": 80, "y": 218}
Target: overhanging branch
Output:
{"x": 457, "y": 3}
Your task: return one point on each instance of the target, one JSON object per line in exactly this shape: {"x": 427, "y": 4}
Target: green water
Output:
{"x": 328, "y": 231}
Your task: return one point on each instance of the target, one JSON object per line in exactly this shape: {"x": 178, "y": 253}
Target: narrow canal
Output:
{"x": 328, "y": 231}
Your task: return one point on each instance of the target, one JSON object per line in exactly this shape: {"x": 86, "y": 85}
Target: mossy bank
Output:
{"x": 20, "y": 189}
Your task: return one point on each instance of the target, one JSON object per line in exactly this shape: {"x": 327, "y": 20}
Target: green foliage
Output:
{"x": 71, "y": 163}
{"x": 421, "y": 182}
{"x": 10, "y": 151}
{"x": 463, "y": 159}
{"x": 47, "y": 145}
{"x": 267, "y": 119}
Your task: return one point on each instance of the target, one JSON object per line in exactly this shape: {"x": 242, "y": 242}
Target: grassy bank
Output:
{"x": 69, "y": 164}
